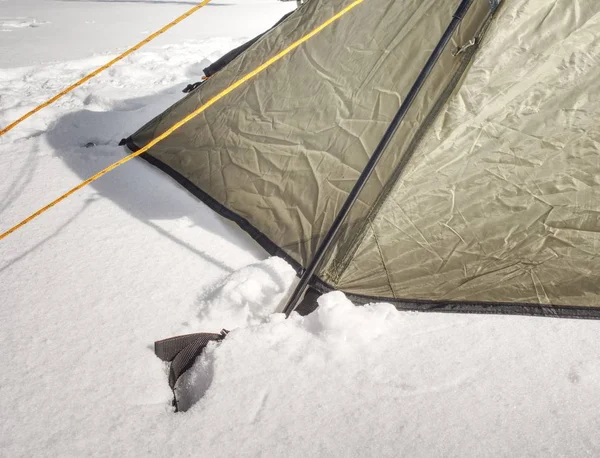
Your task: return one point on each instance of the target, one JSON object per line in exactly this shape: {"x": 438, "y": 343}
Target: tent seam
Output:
{"x": 387, "y": 273}
{"x": 356, "y": 241}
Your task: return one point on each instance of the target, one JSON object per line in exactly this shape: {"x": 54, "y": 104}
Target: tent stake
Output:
{"x": 333, "y": 231}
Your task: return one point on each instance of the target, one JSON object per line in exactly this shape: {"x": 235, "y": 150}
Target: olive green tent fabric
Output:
{"x": 488, "y": 193}
{"x": 501, "y": 201}
{"x": 284, "y": 150}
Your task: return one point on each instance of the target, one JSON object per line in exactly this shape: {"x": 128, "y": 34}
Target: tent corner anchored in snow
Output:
{"x": 486, "y": 199}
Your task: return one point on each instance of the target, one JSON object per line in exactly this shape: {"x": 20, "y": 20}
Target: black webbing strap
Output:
{"x": 182, "y": 351}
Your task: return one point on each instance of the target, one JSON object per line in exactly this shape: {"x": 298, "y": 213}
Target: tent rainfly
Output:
{"x": 487, "y": 198}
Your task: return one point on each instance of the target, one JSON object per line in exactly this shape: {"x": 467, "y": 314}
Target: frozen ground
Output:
{"x": 87, "y": 288}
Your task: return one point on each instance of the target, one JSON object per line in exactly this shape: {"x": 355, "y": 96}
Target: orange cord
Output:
{"x": 104, "y": 67}
{"x": 189, "y": 117}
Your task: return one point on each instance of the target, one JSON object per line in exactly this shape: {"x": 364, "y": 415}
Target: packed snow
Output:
{"x": 88, "y": 287}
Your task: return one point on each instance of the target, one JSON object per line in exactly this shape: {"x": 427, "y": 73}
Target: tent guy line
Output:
{"x": 187, "y": 118}
{"x": 104, "y": 67}
{"x": 453, "y": 219}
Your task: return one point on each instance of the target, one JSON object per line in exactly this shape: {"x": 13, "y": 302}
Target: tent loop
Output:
{"x": 461, "y": 49}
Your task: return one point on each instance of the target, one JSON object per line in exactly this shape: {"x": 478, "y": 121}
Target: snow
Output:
{"x": 76, "y": 29}
{"x": 88, "y": 287}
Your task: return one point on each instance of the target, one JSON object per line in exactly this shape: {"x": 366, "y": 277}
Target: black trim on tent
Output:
{"x": 227, "y": 58}
{"x": 221, "y": 63}
{"x": 264, "y": 241}
{"x": 487, "y": 308}
{"x": 319, "y": 286}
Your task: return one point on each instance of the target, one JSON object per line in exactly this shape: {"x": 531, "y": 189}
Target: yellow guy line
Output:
{"x": 104, "y": 67}
{"x": 189, "y": 117}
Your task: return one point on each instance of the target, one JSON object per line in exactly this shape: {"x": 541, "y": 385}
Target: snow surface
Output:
{"x": 88, "y": 287}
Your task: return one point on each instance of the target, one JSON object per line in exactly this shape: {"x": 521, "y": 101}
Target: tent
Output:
{"x": 486, "y": 200}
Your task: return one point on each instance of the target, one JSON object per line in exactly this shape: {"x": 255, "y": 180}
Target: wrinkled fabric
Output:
{"x": 489, "y": 190}
{"x": 284, "y": 150}
{"x": 501, "y": 201}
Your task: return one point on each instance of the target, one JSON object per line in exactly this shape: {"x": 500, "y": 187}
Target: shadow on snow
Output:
{"x": 138, "y": 188}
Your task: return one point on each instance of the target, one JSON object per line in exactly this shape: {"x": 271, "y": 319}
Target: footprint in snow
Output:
{"x": 10, "y": 24}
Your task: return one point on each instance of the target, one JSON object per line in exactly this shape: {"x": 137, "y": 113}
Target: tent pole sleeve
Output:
{"x": 374, "y": 159}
